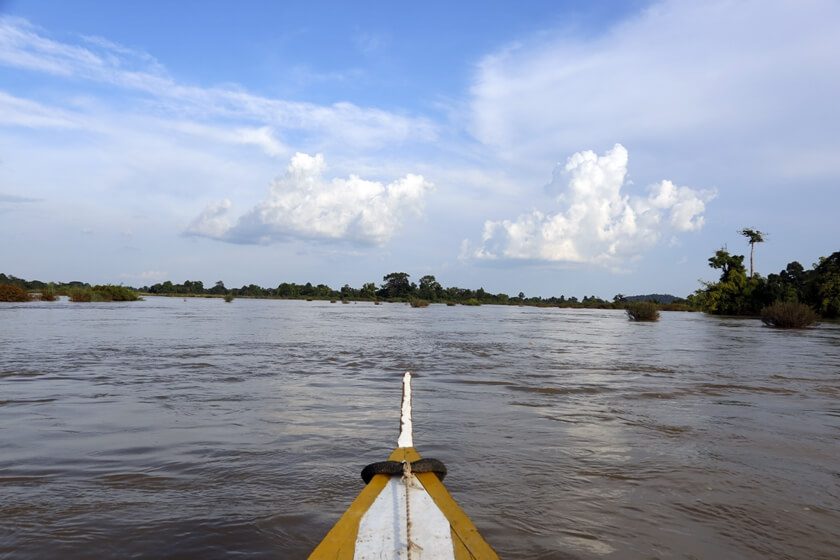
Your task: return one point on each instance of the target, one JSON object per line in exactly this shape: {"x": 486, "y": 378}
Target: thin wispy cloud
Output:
{"x": 148, "y": 276}
{"x": 26, "y": 47}
{"x": 18, "y": 112}
{"x": 304, "y": 204}
{"x": 720, "y": 83}
{"x": 17, "y": 199}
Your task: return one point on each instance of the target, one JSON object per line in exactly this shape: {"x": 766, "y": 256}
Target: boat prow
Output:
{"x": 405, "y": 511}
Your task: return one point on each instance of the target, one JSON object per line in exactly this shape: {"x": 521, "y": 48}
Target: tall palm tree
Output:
{"x": 753, "y": 236}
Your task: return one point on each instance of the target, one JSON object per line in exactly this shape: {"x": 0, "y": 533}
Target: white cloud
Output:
{"x": 303, "y": 204}
{"x": 262, "y": 137}
{"x": 597, "y": 222}
{"x": 16, "y": 199}
{"x": 145, "y": 276}
{"x": 718, "y": 87}
{"x": 15, "y": 111}
{"x": 24, "y": 46}
{"x": 213, "y": 221}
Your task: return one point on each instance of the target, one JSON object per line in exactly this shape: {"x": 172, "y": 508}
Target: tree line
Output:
{"x": 20, "y": 290}
{"x": 738, "y": 292}
{"x": 395, "y": 286}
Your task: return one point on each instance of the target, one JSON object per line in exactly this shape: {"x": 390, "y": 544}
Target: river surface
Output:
{"x": 198, "y": 429}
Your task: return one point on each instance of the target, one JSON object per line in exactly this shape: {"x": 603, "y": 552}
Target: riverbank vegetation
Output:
{"x": 10, "y": 292}
{"x": 738, "y": 292}
{"x": 18, "y": 289}
{"x": 398, "y": 287}
{"x": 395, "y": 287}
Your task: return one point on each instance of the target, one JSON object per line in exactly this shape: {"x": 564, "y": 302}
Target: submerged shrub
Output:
{"x": 109, "y": 292}
{"x": 80, "y": 294}
{"x": 788, "y": 315}
{"x": 10, "y": 292}
{"x": 450, "y": 303}
{"x": 642, "y": 311}
{"x": 228, "y": 298}
{"x": 48, "y": 294}
{"x": 419, "y": 303}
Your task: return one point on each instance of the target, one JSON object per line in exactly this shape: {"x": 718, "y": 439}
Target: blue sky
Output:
{"x": 572, "y": 148}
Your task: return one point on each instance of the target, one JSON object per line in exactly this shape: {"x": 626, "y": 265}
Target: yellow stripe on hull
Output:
{"x": 410, "y": 518}
{"x": 341, "y": 541}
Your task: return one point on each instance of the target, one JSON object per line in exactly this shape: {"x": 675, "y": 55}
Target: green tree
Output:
{"x": 307, "y": 290}
{"x": 430, "y": 288}
{"x": 753, "y": 236}
{"x": 322, "y": 290}
{"x": 396, "y": 285}
{"x": 194, "y": 287}
{"x": 789, "y": 285}
{"x": 251, "y": 290}
{"x": 734, "y": 293}
{"x": 368, "y": 290}
{"x": 287, "y": 290}
{"x": 218, "y": 288}
{"x": 728, "y": 264}
{"x": 728, "y": 295}
{"x": 825, "y": 287}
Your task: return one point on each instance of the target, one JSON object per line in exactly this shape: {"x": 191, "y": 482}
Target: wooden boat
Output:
{"x": 405, "y": 511}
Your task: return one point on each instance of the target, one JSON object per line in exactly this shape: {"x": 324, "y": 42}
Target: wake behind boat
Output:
{"x": 405, "y": 511}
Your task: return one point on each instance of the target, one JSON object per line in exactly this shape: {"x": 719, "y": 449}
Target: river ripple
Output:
{"x": 170, "y": 428}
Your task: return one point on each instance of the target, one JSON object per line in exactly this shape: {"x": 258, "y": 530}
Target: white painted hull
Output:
{"x": 404, "y": 517}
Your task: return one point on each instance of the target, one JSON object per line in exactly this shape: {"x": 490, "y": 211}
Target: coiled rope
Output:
{"x": 393, "y": 468}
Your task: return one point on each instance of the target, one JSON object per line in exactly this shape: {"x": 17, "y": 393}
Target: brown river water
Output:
{"x": 185, "y": 429}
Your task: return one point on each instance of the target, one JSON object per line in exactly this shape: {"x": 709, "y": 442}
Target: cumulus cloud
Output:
{"x": 213, "y": 220}
{"x": 597, "y": 222}
{"x": 304, "y": 204}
